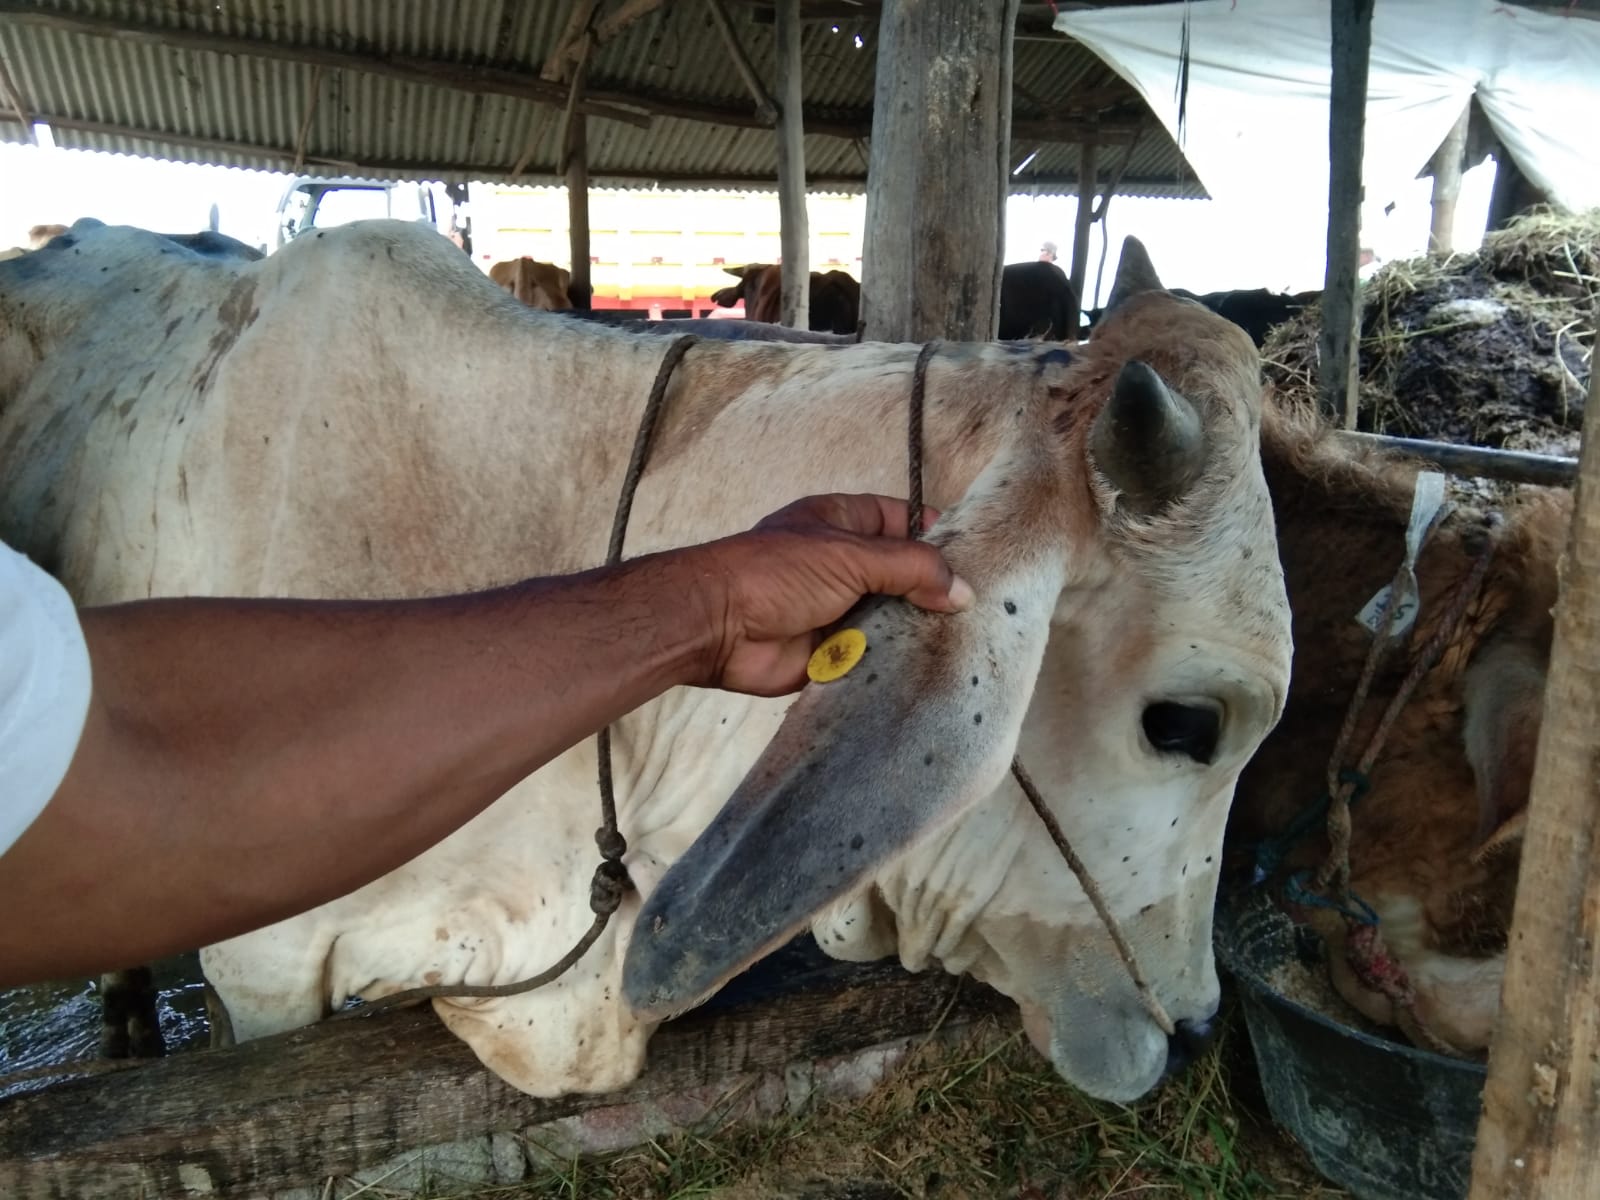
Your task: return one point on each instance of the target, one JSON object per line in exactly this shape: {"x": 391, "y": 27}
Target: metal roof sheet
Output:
{"x": 233, "y": 82}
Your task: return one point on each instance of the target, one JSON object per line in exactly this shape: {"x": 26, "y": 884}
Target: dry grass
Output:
{"x": 978, "y": 1116}
{"x": 1545, "y": 266}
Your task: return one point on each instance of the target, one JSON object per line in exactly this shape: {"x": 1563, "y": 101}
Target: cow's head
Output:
{"x": 1130, "y": 643}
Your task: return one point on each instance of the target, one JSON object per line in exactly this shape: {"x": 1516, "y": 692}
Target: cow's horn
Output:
{"x": 1148, "y": 440}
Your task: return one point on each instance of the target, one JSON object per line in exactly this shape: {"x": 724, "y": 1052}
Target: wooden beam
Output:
{"x": 580, "y": 71}
{"x": 793, "y": 224}
{"x": 332, "y": 1099}
{"x": 18, "y": 105}
{"x": 313, "y": 94}
{"x": 765, "y": 108}
{"x": 1446, "y": 170}
{"x": 578, "y": 208}
{"x": 1339, "y": 342}
{"x": 456, "y": 76}
{"x": 1084, "y": 219}
{"x": 935, "y": 235}
{"x": 555, "y": 66}
{"x": 221, "y": 145}
{"x": 1541, "y": 1104}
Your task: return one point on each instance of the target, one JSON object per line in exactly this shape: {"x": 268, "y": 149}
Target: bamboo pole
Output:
{"x": 1540, "y": 1126}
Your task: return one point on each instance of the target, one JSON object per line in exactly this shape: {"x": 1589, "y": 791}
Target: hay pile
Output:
{"x": 1492, "y": 348}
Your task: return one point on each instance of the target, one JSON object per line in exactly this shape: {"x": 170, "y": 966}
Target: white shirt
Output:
{"x": 44, "y": 690}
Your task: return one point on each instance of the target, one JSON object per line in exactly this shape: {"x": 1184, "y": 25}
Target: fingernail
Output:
{"x": 962, "y": 597}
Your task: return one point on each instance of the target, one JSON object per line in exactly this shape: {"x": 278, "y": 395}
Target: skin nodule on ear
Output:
{"x": 1148, "y": 441}
{"x": 918, "y": 731}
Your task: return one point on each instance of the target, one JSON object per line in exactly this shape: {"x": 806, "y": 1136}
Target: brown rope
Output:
{"x": 1147, "y": 997}
{"x": 1097, "y": 898}
{"x": 1374, "y": 966}
{"x": 1337, "y": 864}
{"x": 919, "y": 387}
{"x": 611, "y": 881}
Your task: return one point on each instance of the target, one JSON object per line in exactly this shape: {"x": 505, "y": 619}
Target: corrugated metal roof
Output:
{"x": 236, "y": 90}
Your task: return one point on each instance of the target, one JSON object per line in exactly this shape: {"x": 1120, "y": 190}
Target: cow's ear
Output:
{"x": 1503, "y": 702}
{"x": 1135, "y": 273}
{"x": 919, "y": 730}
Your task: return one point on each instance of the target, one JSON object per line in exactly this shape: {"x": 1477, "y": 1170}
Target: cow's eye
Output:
{"x": 1189, "y": 729}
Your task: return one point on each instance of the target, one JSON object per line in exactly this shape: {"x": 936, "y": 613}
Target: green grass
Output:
{"x": 974, "y": 1116}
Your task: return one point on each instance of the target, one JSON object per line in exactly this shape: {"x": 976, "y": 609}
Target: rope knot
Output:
{"x": 611, "y": 842}
{"x": 1375, "y": 968}
{"x": 610, "y": 884}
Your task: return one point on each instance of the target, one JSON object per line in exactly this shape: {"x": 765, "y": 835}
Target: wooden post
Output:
{"x": 1088, "y": 185}
{"x": 765, "y": 109}
{"x": 1340, "y": 342}
{"x": 1446, "y": 170}
{"x": 795, "y": 230}
{"x": 941, "y": 133}
{"x": 579, "y": 288}
{"x": 1541, "y": 1105}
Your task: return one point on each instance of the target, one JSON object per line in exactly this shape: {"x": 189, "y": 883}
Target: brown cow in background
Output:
{"x": 38, "y": 237}
{"x": 1435, "y": 843}
{"x": 835, "y": 297}
{"x": 538, "y": 284}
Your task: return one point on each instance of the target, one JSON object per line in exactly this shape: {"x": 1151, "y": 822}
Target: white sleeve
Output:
{"x": 44, "y": 690}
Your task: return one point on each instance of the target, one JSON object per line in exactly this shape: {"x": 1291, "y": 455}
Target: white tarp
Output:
{"x": 1256, "y": 120}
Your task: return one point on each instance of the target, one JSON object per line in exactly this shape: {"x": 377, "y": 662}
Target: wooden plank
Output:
{"x": 1541, "y": 1103}
{"x": 939, "y": 173}
{"x": 794, "y": 309}
{"x": 1476, "y": 462}
{"x": 765, "y": 108}
{"x": 337, "y": 1097}
{"x": 1446, "y": 170}
{"x": 1339, "y": 343}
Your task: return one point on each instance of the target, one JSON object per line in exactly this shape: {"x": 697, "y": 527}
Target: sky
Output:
{"x": 1196, "y": 244}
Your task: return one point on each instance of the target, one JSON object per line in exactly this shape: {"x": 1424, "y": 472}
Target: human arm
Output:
{"x": 245, "y": 760}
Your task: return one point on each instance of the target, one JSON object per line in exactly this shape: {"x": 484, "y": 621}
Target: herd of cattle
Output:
{"x": 1036, "y": 298}
{"x": 1147, "y": 532}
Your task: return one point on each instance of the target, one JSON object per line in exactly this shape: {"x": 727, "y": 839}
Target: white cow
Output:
{"x": 364, "y": 414}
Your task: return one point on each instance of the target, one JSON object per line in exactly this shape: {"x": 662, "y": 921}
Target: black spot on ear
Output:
{"x": 1011, "y": 607}
{"x": 977, "y": 718}
{"x": 855, "y": 842}
{"x": 927, "y": 760}
{"x": 974, "y": 681}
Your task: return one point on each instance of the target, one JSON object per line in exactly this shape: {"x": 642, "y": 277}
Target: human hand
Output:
{"x": 768, "y": 591}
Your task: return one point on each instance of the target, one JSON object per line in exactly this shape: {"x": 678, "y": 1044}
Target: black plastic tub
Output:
{"x": 1384, "y": 1119}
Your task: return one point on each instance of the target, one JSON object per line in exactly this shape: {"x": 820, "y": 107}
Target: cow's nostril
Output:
{"x": 1190, "y": 1039}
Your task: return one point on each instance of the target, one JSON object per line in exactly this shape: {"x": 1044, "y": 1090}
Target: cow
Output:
{"x": 172, "y": 423}
{"x": 834, "y": 297}
{"x": 38, "y": 237}
{"x": 538, "y": 284}
{"x": 1435, "y": 834}
{"x": 1036, "y": 301}
{"x": 1255, "y": 310}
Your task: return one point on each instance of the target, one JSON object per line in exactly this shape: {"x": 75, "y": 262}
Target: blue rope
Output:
{"x": 1296, "y": 892}
{"x": 1271, "y": 852}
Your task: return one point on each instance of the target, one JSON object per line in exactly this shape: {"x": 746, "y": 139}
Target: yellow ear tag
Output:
{"x": 837, "y": 656}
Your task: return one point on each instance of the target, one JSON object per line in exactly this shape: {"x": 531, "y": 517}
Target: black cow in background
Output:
{"x": 1254, "y": 310}
{"x": 1036, "y": 301}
